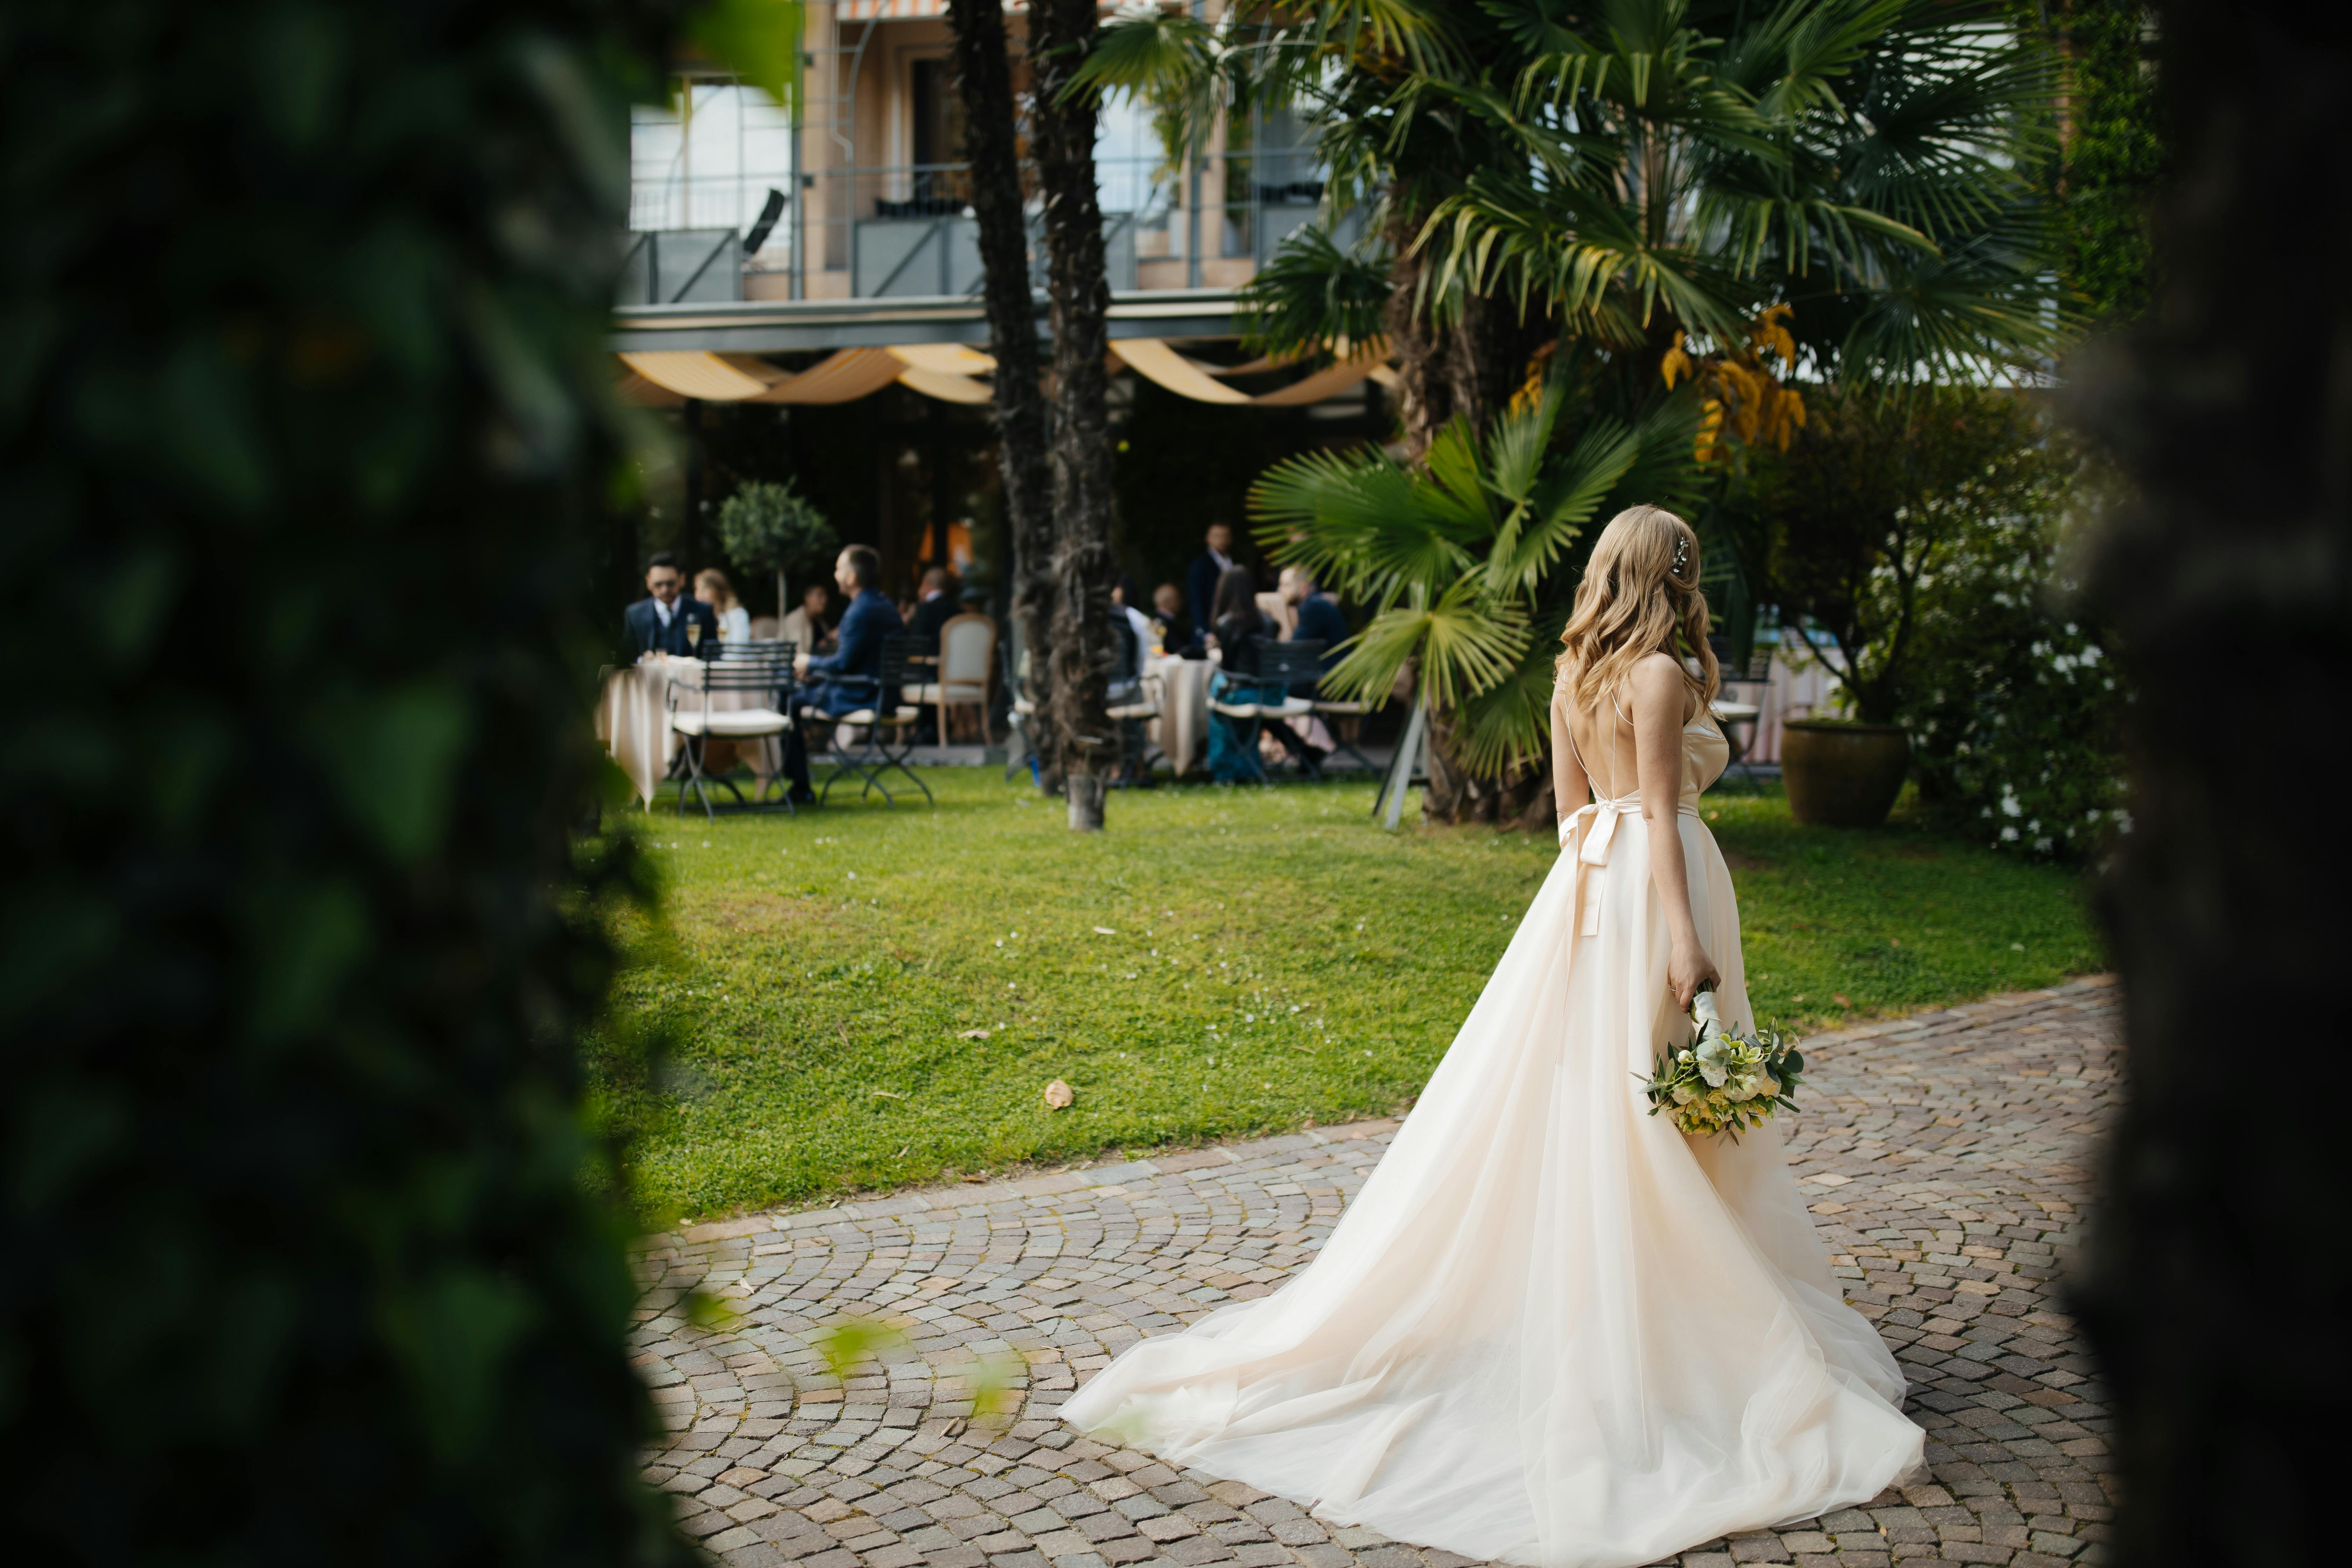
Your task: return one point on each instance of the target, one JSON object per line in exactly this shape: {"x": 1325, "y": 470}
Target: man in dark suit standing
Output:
{"x": 1201, "y": 577}
{"x": 938, "y": 608}
{"x": 657, "y": 623}
{"x": 850, "y": 677}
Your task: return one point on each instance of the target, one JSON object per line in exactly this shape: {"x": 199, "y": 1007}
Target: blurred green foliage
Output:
{"x": 306, "y": 458}
{"x": 2115, "y": 156}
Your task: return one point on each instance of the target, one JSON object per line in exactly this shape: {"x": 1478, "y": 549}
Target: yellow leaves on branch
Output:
{"x": 1745, "y": 396}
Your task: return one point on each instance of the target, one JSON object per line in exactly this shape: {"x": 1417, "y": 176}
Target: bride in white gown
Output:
{"x": 1552, "y": 1330}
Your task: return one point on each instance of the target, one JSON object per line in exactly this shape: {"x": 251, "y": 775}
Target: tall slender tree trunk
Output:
{"x": 1061, "y": 34}
{"x": 984, "y": 77}
{"x": 2216, "y": 1296}
{"x": 1464, "y": 368}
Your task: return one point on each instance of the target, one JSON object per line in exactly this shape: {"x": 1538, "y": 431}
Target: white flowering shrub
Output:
{"x": 2017, "y": 710}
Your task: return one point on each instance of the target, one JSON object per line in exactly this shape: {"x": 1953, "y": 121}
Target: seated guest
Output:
{"x": 1122, "y": 602}
{"x": 1317, "y": 616}
{"x": 658, "y": 623}
{"x": 1234, "y": 629}
{"x": 850, "y": 677}
{"x": 710, "y": 586}
{"x": 936, "y": 607}
{"x": 1168, "y": 611}
{"x": 806, "y": 628}
{"x": 1205, "y": 576}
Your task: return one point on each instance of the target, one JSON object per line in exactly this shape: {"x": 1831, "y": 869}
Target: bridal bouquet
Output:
{"x": 1721, "y": 1082}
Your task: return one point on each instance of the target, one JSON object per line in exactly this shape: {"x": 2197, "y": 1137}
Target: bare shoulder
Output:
{"x": 1656, "y": 674}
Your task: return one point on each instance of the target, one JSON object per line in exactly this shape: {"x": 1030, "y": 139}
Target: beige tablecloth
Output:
{"x": 1181, "y": 731}
{"x": 632, "y": 720}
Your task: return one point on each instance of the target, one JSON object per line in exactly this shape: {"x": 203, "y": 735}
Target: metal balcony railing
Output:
{"x": 906, "y": 229}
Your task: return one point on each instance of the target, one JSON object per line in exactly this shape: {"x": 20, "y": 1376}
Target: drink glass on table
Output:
{"x": 693, "y": 634}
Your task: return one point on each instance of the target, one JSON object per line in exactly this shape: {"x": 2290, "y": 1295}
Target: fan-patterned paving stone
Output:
{"x": 1944, "y": 1156}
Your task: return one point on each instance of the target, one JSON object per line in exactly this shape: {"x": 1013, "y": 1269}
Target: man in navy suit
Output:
{"x": 850, "y": 677}
{"x": 1319, "y": 619}
{"x": 1201, "y": 577}
{"x": 657, "y": 624}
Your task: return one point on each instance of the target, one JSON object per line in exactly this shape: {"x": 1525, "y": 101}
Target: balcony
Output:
{"x": 906, "y": 231}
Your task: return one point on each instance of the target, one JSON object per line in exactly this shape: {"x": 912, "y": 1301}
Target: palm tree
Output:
{"x": 1459, "y": 557}
{"x": 984, "y": 78}
{"x": 1730, "y": 193}
{"x": 1084, "y": 646}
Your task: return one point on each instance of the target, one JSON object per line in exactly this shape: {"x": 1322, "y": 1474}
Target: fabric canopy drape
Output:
{"x": 671, "y": 376}
{"x": 952, "y": 373}
{"x": 1156, "y": 362}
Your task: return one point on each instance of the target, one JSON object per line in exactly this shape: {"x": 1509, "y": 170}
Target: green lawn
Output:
{"x": 1220, "y": 962}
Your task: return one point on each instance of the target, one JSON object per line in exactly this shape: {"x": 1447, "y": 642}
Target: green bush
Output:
{"x": 1880, "y": 496}
{"x": 2017, "y": 709}
{"x": 770, "y": 527}
{"x": 305, "y": 448}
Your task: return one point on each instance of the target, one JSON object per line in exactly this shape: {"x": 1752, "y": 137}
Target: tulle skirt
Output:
{"x": 1551, "y": 1330}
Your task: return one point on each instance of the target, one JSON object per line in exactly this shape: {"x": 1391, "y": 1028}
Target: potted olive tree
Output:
{"x": 770, "y": 527}
{"x": 1850, "y": 527}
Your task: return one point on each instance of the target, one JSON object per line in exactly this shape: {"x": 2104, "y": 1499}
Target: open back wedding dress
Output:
{"x": 1551, "y": 1330}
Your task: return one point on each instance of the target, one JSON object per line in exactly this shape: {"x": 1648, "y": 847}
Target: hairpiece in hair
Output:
{"x": 1682, "y": 552}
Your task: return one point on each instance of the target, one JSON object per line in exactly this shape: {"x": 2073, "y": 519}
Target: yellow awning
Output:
{"x": 1156, "y": 362}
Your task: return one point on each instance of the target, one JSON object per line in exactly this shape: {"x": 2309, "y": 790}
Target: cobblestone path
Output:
{"x": 1947, "y": 1152}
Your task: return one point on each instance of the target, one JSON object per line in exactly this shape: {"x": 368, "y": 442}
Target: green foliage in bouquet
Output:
{"x": 1722, "y": 1081}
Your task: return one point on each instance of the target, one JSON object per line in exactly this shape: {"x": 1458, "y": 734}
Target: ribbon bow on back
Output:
{"x": 1597, "y": 823}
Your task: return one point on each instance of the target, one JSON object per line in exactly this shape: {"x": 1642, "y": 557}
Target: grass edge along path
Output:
{"x": 865, "y": 999}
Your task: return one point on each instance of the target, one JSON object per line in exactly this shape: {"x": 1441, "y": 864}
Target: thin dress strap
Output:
{"x": 1579, "y": 755}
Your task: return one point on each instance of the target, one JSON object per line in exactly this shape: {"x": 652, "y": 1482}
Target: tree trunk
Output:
{"x": 1061, "y": 35}
{"x": 1464, "y": 369}
{"x": 984, "y": 77}
{"x": 2214, "y": 1298}
{"x": 1435, "y": 380}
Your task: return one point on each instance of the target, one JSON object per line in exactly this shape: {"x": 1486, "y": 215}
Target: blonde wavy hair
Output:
{"x": 1640, "y": 596}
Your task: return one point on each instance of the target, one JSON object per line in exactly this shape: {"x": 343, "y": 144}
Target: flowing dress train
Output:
{"x": 1551, "y": 1330}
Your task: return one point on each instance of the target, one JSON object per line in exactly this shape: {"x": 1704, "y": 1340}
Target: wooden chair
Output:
{"x": 967, "y": 648}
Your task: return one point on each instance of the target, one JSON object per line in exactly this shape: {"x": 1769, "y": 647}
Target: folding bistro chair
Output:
{"x": 765, "y": 677}
{"x": 890, "y": 715}
{"x": 1021, "y": 717}
{"x": 1281, "y": 664}
{"x": 1289, "y": 664}
{"x": 1132, "y": 702}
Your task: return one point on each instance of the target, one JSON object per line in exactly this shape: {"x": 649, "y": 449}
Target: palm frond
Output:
{"x": 1509, "y": 723}
{"x": 1365, "y": 525}
{"x": 1465, "y": 641}
{"x": 1312, "y": 293}
{"x": 1560, "y": 503}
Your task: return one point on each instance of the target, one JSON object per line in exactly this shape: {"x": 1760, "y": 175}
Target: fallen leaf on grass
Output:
{"x": 1058, "y": 1095}
{"x": 1105, "y": 931}
{"x": 887, "y": 1095}
{"x": 1839, "y": 998}
{"x": 974, "y": 1035}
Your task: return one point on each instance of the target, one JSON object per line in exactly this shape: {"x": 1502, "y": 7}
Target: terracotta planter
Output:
{"x": 1842, "y": 774}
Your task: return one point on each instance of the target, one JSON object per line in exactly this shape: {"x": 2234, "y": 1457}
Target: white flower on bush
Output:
{"x": 2010, "y": 805}
{"x": 2009, "y": 836}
